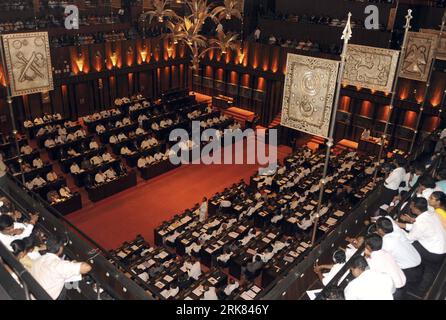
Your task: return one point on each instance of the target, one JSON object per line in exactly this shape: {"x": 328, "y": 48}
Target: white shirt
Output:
{"x": 370, "y": 285}
{"x": 210, "y": 294}
{"x": 195, "y": 271}
{"x": 7, "y": 239}
{"x": 429, "y": 232}
{"x": 328, "y": 276}
{"x": 404, "y": 253}
{"x": 203, "y": 211}
{"x": 51, "y": 272}
{"x": 231, "y": 287}
{"x": 395, "y": 178}
{"x": 382, "y": 261}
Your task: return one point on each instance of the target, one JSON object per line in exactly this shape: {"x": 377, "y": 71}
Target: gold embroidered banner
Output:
{"x": 370, "y": 67}
{"x": 28, "y": 62}
{"x": 310, "y": 85}
{"x": 418, "y": 56}
{"x": 441, "y": 50}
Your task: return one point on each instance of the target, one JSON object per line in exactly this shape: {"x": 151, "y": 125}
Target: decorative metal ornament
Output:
{"x": 28, "y": 62}
{"x": 310, "y": 85}
{"x": 370, "y": 67}
{"x": 418, "y": 56}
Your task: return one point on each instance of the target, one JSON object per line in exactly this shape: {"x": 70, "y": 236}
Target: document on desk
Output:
{"x": 251, "y": 294}
{"x": 233, "y": 234}
{"x": 251, "y": 252}
{"x": 339, "y": 213}
{"x": 266, "y": 240}
{"x": 195, "y": 234}
{"x": 165, "y": 294}
{"x": 134, "y": 248}
{"x": 198, "y": 291}
{"x": 159, "y": 285}
{"x": 238, "y": 207}
{"x": 144, "y": 276}
{"x": 313, "y": 293}
{"x": 212, "y": 280}
{"x": 121, "y": 254}
{"x": 245, "y": 296}
{"x": 168, "y": 278}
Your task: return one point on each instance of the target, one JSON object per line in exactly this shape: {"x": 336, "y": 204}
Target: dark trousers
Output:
{"x": 431, "y": 263}
{"x": 387, "y": 196}
{"x": 413, "y": 275}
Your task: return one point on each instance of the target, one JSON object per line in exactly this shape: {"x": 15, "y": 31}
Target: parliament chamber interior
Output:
{"x": 223, "y": 150}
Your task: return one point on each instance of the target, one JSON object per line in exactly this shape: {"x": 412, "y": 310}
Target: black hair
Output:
{"x": 420, "y": 203}
{"x": 333, "y": 293}
{"x": 359, "y": 262}
{"x": 441, "y": 197}
{"x": 258, "y": 258}
{"x": 400, "y": 162}
{"x": 339, "y": 256}
{"x": 53, "y": 244}
{"x": 385, "y": 225}
{"x": 374, "y": 241}
{"x": 5, "y": 222}
{"x": 428, "y": 182}
{"x": 18, "y": 246}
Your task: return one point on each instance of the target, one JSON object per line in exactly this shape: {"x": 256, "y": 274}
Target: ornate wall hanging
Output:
{"x": 310, "y": 85}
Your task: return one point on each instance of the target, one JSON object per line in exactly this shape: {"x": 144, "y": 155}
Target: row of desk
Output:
{"x": 106, "y": 190}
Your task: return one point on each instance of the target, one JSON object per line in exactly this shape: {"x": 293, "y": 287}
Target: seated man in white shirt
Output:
{"x": 142, "y": 163}
{"x": 28, "y": 124}
{"x": 368, "y": 284}
{"x": 339, "y": 260}
{"x": 194, "y": 271}
{"x": 404, "y": 253}
{"x": 26, "y": 149}
{"x": 113, "y": 139}
{"x": 51, "y": 176}
{"x": 100, "y": 178}
{"x": 38, "y": 182}
{"x": 155, "y": 126}
{"x": 141, "y": 119}
{"x": 126, "y": 121}
{"x": 37, "y": 163}
{"x": 10, "y": 230}
{"x": 118, "y": 124}
{"x": 75, "y": 169}
{"x": 49, "y": 143}
{"x": 65, "y": 192}
{"x": 145, "y": 144}
{"x": 383, "y": 262}
{"x": 150, "y": 159}
{"x": 393, "y": 182}
{"x": 232, "y": 285}
{"x": 125, "y": 151}
{"x": 158, "y": 156}
{"x": 93, "y": 145}
{"x": 61, "y": 131}
{"x": 209, "y": 293}
{"x": 96, "y": 160}
{"x": 122, "y": 137}
{"x": 266, "y": 255}
{"x": 60, "y": 139}
{"x": 107, "y": 157}
{"x": 110, "y": 174}
{"x": 71, "y": 137}
{"x": 169, "y": 122}
{"x": 223, "y": 258}
{"x": 80, "y": 134}
{"x": 140, "y": 131}
{"x": 429, "y": 239}
{"x": 51, "y": 271}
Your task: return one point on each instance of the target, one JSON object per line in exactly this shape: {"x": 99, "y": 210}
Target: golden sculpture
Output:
{"x": 310, "y": 85}
{"x": 370, "y": 67}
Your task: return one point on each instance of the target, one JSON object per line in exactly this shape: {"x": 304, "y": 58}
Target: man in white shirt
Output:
{"x": 393, "y": 182}
{"x": 93, "y": 145}
{"x": 195, "y": 270}
{"x": 368, "y": 284}
{"x": 96, "y": 160}
{"x": 232, "y": 285}
{"x": 404, "y": 253}
{"x": 49, "y": 143}
{"x": 110, "y": 174}
{"x": 51, "y": 271}
{"x": 145, "y": 144}
{"x": 223, "y": 259}
{"x": 204, "y": 209}
{"x": 139, "y": 131}
{"x": 51, "y": 176}
{"x": 171, "y": 292}
{"x": 382, "y": 261}
{"x": 141, "y": 162}
{"x": 100, "y": 129}
{"x": 339, "y": 259}
{"x": 26, "y": 149}
{"x": 107, "y": 157}
{"x": 125, "y": 151}
{"x": 113, "y": 139}
{"x": 99, "y": 178}
{"x": 429, "y": 238}
{"x": 74, "y": 168}
{"x": 11, "y": 231}
{"x": 122, "y": 137}
{"x": 209, "y": 293}
{"x": 155, "y": 126}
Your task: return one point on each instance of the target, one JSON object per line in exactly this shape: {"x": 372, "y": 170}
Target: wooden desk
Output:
{"x": 106, "y": 190}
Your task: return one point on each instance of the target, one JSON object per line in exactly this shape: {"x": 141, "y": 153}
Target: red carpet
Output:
{"x": 141, "y": 209}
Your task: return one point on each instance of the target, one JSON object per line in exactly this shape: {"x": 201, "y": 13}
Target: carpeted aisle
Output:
{"x": 141, "y": 209}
